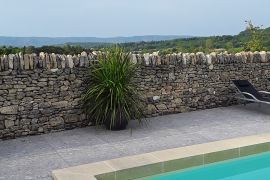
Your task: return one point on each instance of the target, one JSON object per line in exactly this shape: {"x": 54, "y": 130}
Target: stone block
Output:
{"x": 57, "y": 121}
{"x": 60, "y": 104}
{"x": 9, "y": 123}
{"x": 151, "y": 109}
{"x": 72, "y": 118}
{"x": 9, "y": 109}
{"x": 70, "y": 61}
{"x": 2, "y": 125}
{"x": 10, "y": 60}
{"x": 26, "y": 62}
{"x": 156, "y": 98}
{"x": 161, "y": 107}
{"x": 263, "y": 56}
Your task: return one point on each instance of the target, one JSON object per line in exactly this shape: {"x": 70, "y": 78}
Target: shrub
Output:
{"x": 112, "y": 97}
{"x": 255, "y": 42}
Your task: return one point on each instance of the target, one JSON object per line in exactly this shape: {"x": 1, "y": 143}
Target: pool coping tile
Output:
{"x": 162, "y": 161}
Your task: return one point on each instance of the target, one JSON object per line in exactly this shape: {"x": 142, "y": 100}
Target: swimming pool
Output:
{"x": 247, "y": 168}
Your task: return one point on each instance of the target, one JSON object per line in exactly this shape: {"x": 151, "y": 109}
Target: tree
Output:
{"x": 29, "y": 50}
{"x": 255, "y": 42}
{"x": 229, "y": 45}
{"x": 209, "y": 44}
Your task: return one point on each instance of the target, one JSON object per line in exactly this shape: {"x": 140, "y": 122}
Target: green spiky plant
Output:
{"x": 112, "y": 97}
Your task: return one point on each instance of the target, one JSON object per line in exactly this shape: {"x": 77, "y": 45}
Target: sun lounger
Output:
{"x": 247, "y": 92}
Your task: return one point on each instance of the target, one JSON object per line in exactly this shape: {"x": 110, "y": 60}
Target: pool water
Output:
{"x": 247, "y": 168}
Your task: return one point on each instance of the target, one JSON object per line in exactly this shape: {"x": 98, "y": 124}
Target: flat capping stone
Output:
{"x": 158, "y": 162}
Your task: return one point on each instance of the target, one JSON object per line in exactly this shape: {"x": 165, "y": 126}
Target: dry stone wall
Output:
{"x": 41, "y": 93}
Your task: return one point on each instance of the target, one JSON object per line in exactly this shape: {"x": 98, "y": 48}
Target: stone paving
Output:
{"x": 34, "y": 157}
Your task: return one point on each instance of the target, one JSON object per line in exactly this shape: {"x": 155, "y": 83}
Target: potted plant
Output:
{"x": 111, "y": 97}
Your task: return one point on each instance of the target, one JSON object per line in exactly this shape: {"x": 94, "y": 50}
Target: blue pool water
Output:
{"x": 248, "y": 168}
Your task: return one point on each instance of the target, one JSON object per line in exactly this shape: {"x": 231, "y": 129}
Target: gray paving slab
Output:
{"x": 34, "y": 157}
{"x": 70, "y": 139}
{"x": 25, "y": 146}
{"x": 88, "y": 154}
{"x": 148, "y": 144}
{"x": 30, "y": 167}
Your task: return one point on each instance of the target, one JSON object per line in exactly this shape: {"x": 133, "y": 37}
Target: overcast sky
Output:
{"x": 107, "y": 18}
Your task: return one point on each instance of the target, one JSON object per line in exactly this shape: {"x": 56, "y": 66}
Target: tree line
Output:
{"x": 66, "y": 49}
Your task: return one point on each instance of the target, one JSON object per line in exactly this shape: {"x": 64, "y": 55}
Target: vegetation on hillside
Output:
{"x": 252, "y": 39}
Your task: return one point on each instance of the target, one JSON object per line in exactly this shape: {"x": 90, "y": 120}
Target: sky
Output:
{"x": 110, "y": 18}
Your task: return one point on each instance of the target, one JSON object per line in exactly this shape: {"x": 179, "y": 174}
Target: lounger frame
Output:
{"x": 241, "y": 96}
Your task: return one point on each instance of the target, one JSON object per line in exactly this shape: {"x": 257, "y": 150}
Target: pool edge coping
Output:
{"x": 157, "y": 160}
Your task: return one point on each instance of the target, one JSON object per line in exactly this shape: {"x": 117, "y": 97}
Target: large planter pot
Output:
{"x": 117, "y": 126}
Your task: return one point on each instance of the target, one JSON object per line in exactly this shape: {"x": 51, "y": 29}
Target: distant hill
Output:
{"x": 139, "y": 44}
{"x": 46, "y": 41}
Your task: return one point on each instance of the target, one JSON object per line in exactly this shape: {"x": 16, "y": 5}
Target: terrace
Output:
{"x": 34, "y": 157}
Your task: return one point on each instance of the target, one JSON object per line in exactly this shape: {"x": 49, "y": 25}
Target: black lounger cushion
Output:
{"x": 243, "y": 83}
